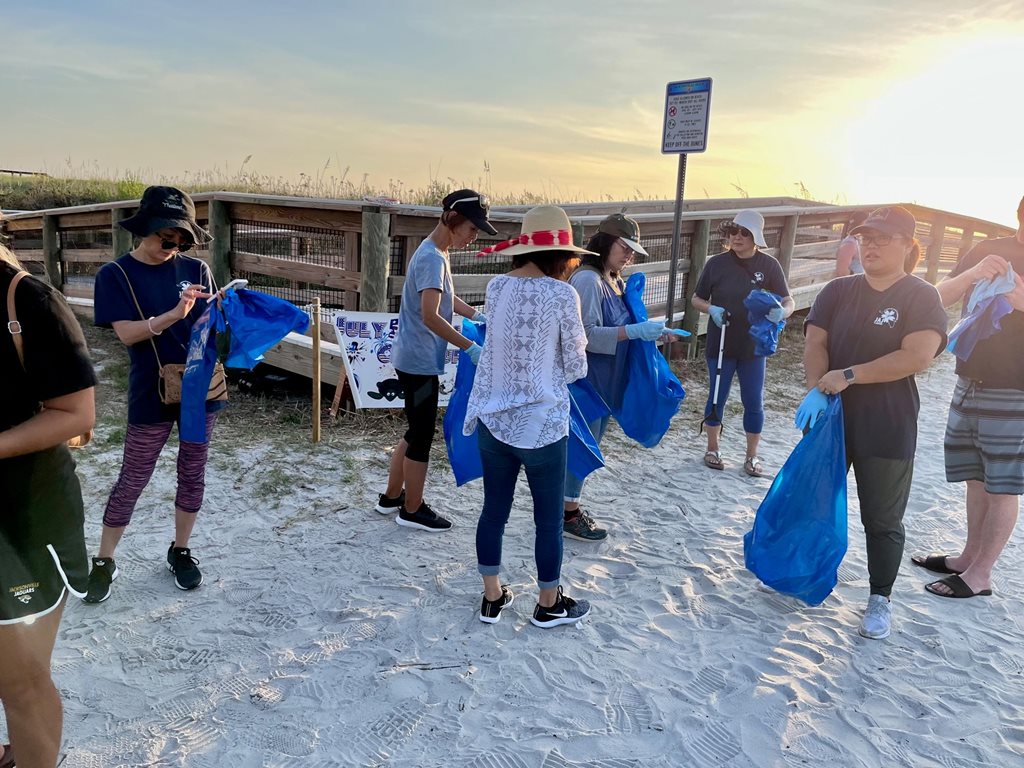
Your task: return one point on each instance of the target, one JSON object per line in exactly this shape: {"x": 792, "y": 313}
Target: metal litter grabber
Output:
{"x": 718, "y": 374}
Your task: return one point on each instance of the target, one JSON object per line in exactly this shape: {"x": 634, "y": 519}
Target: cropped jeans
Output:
{"x": 545, "y": 472}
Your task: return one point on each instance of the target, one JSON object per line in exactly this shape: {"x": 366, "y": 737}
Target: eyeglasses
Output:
{"x": 167, "y": 244}
{"x": 879, "y": 240}
{"x": 485, "y": 203}
{"x": 629, "y": 251}
{"x": 730, "y": 229}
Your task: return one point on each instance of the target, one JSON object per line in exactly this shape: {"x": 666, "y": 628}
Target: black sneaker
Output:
{"x": 583, "y": 528}
{"x": 564, "y": 611}
{"x": 181, "y": 563}
{"x": 103, "y": 572}
{"x": 423, "y": 518}
{"x": 386, "y": 505}
{"x": 490, "y": 610}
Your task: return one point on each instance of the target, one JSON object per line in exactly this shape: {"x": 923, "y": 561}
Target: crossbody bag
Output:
{"x": 15, "y": 329}
{"x": 171, "y": 374}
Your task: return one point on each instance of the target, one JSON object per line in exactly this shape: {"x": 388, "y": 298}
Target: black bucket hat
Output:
{"x": 473, "y": 206}
{"x": 162, "y": 207}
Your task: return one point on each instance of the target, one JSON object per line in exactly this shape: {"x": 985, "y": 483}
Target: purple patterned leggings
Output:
{"x": 142, "y": 446}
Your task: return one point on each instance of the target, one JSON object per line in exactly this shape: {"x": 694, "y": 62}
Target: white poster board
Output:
{"x": 365, "y": 340}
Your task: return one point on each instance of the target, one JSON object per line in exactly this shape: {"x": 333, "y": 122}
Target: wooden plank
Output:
{"x": 79, "y": 290}
{"x": 51, "y": 251}
{"x": 331, "y": 277}
{"x": 220, "y": 248}
{"x": 295, "y": 354}
{"x": 29, "y": 224}
{"x": 348, "y": 221}
{"x": 121, "y": 239}
{"x": 375, "y": 259}
{"x": 90, "y": 220}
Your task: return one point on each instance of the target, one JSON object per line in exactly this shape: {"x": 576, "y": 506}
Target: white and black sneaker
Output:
{"x": 424, "y": 518}
{"x": 386, "y": 505}
{"x": 184, "y": 567}
{"x": 564, "y": 611}
{"x": 103, "y": 572}
{"x": 490, "y": 610}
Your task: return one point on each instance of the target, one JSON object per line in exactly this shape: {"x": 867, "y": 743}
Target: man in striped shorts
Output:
{"x": 984, "y": 442}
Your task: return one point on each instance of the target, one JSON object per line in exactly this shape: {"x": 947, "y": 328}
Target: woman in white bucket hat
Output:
{"x": 725, "y": 282}
{"x": 535, "y": 347}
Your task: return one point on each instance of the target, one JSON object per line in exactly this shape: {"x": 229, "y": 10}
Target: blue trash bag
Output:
{"x": 589, "y": 401}
{"x": 982, "y": 322}
{"x": 799, "y": 534}
{"x": 763, "y": 331}
{"x": 463, "y": 450}
{"x": 195, "y": 384}
{"x": 653, "y": 393}
{"x": 258, "y": 322}
{"x": 583, "y": 455}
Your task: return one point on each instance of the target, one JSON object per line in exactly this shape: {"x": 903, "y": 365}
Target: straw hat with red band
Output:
{"x": 545, "y": 228}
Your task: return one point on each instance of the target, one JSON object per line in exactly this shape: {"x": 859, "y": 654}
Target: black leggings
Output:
{"x": 421, "y": 412}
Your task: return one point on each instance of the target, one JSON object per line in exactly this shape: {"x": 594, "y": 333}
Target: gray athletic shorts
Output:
{"x": 985, "y": 437}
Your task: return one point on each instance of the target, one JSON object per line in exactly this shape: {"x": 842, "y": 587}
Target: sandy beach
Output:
{"x": 326, "y": 635}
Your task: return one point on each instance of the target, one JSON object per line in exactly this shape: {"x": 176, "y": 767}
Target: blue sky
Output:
{"x": 861, "y": 102}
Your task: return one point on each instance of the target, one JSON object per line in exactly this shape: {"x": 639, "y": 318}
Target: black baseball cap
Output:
{"x": 892, "y": 220}
{"x": 624, "y": 228}
{"x": 473, "y": 206}
{"x": 166, "y": 207}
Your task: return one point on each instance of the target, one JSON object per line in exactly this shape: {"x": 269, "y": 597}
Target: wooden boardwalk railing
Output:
{"x": 353, "y": 254}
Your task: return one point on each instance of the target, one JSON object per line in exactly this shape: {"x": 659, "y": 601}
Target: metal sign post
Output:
{"x": 685, "y": 130}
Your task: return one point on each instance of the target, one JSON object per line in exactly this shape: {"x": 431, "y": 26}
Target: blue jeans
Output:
{"x": 751, "y": 376}
{"x": 573, "y": 485}
{"x": 545, "y": 471}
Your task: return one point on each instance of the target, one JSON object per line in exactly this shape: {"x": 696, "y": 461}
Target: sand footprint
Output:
{"x": 716, "y": 746}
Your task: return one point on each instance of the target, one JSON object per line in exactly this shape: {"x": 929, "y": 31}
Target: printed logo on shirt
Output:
{"x": 759, "y": 277}
{"x": 888, "y": 316}
{"x": 182, "y": 286}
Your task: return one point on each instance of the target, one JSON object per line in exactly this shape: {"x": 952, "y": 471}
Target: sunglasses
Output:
{"x": 484, "y": 201}
{"x": 730, "y": 229}
{"x": 879, "y": 240}
{"x": 167, "y": 244}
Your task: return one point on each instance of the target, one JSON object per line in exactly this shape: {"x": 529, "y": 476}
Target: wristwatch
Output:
{"x": 848, "y": 375}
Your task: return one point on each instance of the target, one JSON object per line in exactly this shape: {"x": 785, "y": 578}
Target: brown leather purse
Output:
{"x": 15, "y": 330}
{"x": 171, "y": 374}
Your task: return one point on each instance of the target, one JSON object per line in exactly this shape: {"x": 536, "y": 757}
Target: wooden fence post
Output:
{"x": 966, "y": 241}
{"x": 220, "y": 249}
{"x": 787, "y": 239}
{"x": 934, "y": 253}
{"x": 375, "y": 260}
{"x": 698, "y": 255}
{"x": 578, "y": 233}
{"x": 51, "y": 251}
{"x": 316, "y": 369}
{"x": 121, "y": 239}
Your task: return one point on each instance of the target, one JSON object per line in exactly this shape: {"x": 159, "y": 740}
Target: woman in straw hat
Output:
{"x": 726, "y": 280}
{"x": 151, "y": 297}
{"x": 46, "y": 397}
{"x": 424, "y": 332}
{"x": 535, "y": 347}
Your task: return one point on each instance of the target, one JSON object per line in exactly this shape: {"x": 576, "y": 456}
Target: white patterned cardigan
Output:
{"x": 535, "y": 347}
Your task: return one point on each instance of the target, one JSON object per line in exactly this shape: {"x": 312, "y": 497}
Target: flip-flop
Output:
{"x": 714, "y": 460}
{"x": 752, "y": 467}
{"x": 934, "y": 563}
{"x": 958, "y": 586}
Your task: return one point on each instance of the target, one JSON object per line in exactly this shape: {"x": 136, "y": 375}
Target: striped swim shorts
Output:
{"x": 985, "y": 437}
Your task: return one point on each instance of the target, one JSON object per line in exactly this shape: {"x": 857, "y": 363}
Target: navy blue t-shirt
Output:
{"x": 863, "y": 325}
{"x": 726, "y": 281}
{"x": 158, "y": 289}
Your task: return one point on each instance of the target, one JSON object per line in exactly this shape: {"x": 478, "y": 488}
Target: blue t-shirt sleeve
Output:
{"x": 704, "y": 282}
{"x": 429, "y": 272}
{"x": 823, "y": 309}
{"x": 112, "y": 300}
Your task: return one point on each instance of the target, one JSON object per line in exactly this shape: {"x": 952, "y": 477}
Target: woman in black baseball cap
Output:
{"x": 425, "y": 330}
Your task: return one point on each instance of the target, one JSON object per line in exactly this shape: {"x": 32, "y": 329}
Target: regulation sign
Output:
{"x": 687, "y": 106}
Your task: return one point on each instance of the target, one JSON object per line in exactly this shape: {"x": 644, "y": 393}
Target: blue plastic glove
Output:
{"x": 648, "y": 330}
{"x": 717, "y": 314}
{"x": 776, "y": 314}
{"x": 479, "y": 317}
{"x": 813, "y": 406}
{"x": 474, "y": 353}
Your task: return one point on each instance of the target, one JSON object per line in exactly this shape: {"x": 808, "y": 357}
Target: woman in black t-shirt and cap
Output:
{"x": 726, "y": 280}
{"x": 46, "y": 398}
{"x": 151, "y": 297}
{"x": 867, "y": 335}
